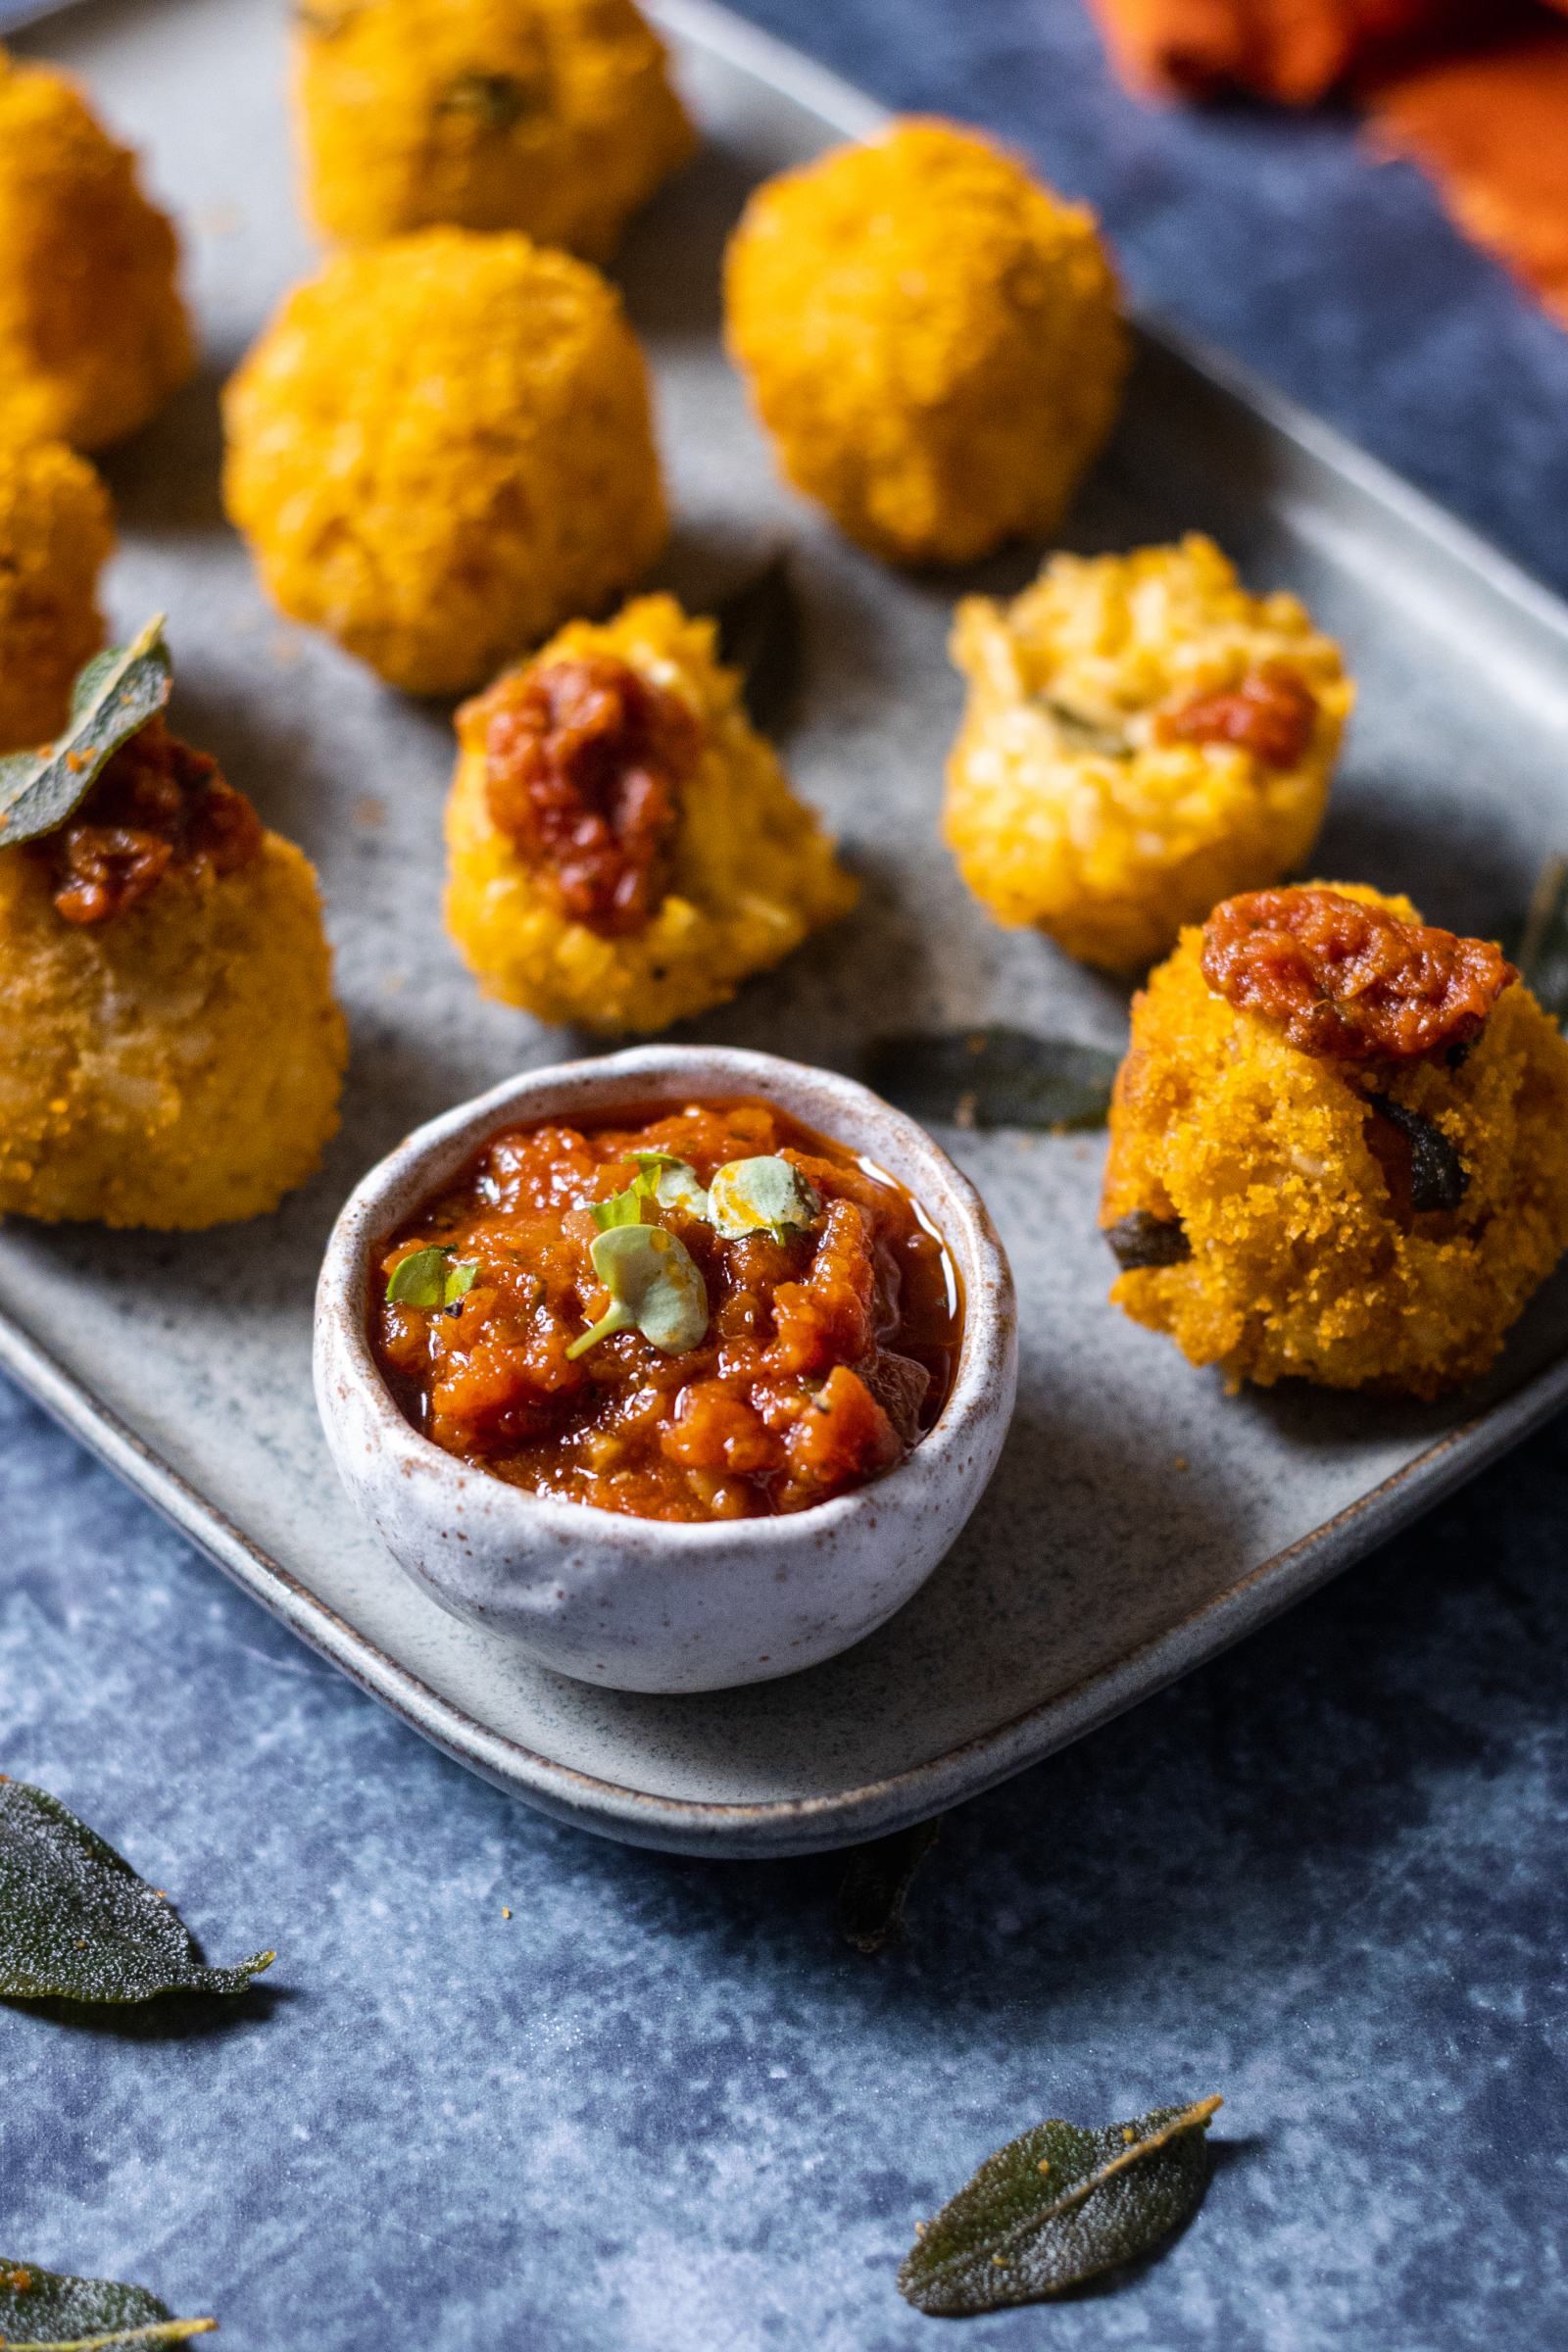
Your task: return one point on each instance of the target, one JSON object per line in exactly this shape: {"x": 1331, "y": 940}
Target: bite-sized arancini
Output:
{"x": 554, "y": 116}
{"x": 93, "y": 333}
{"x": 625, "y": 848}
{"x": 930, "y": 336}
{"x": 1339, "y": 1144}
{"x": 441, "y": 449}
{"x": 1142, "y": 739}
{"x": 171, "y": 1050}
{"x": 55, "y": 535}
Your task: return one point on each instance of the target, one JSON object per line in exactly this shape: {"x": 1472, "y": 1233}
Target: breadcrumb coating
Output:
{"x": 93, "y": 333}
{"x": 178, "y": 1066}
{"x": 930, "y": 336}
{"x": 750, "y": 870}
{"x": 554, "y": 116}
{"x": 1304, "y": 1256}
{"x": 1078, "y": 802}
{"x": 55, "y": 534}
{"x": 441, "y": 449}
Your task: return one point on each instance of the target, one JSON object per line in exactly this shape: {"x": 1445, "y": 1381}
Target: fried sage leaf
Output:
{"x": 761, "y": 1196}
{"x": 115, "y": 696}
{"x": 77, "y": 1923}
{"x": 1439, "y": 1176}
{"x": 1542, "y": 951}
{"x": 45, "y": 2311}
{"x": 1141, "y": 1239}
{"x": 876, "y": 1883}
{"x": 760, "y": 634}
{"x": 995, "y": 1077}
{"x": 1059, "y": 2206}
{"x": 656, "y": 1287}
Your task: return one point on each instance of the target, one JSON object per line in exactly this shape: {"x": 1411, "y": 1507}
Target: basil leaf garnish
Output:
{"x": 760, "y": 634}
{"x": 995, "y": 1077}
{"x": 427, "y": 1278}
{"x": 77, "y": 1923}
{"x": 115, "y": 697}
{"x": 761, "y": 1196}
{"x": 47, "y": 2311}
{"x": 1057, "y": 2206}
{"x": 656, "y": 1287}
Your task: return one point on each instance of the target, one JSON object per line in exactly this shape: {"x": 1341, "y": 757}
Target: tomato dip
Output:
{"x": 827, "y": 1350}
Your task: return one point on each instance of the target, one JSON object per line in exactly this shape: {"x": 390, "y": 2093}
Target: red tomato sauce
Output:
{"x": 828, "y": 1353}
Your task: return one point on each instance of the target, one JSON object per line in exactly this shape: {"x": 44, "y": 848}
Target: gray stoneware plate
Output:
{"x": 1140, "y": 1521}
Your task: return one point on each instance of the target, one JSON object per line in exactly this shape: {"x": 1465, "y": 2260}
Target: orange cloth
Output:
{"x": 1486, "y": 120}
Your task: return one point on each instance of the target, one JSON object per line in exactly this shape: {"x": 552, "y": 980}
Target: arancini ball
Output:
{"x": 624, "y": 846}
{"x": 55, "y": 536}
{"x": 441, "y": 449}
{"x": 554, "y": 116}
{"x": 93, "y": 333}
{"x": 1339, "y": 1146}
{"x": 1142, "y": 739}
{"x": 930, "y": 336}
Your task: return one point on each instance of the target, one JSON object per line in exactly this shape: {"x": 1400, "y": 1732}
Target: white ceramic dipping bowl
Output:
{"x": 648, "y": 1605}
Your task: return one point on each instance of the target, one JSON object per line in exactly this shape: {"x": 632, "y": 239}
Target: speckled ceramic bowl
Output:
{"x": 643, "y": 1604}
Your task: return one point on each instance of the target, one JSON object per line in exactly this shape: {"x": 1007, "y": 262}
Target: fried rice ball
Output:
{"x": 1142, "y": 739}
{"x": 171, "y": 1050}
{"x": 625, "y": 848}
{"x": 930, "y": 336}
{"x": 93, "y": 333}
{"x": 441, "y": 449}
{"x": 556, "y": 117}
{"x": 54, "y": 534}
{"x": 1343, "y": 1161}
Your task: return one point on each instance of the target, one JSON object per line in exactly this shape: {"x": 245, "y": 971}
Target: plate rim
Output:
{"x": 784, "y": 1826}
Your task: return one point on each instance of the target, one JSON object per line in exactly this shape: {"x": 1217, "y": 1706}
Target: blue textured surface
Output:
{"x": 661, "y": 2108}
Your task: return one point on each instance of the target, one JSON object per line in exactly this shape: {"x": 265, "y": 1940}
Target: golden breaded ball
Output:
{"x": 93, "y": 333}
{"x": 624, "y": 846}
{"x": 170, "y": 1049}
{"x": 554, "y": 116}
{"x": 1264, "y": 1196}
{"x": 930, "y": 336}
{"x": 441, "y": 449}
{"x": 54, "y": 534}
{"x": 1142, "y": 739}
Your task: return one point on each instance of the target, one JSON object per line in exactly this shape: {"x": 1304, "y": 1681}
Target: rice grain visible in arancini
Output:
{"x": 554, "y": 117}
{"x": 441, "y": 449}
{"x": 55, "y": 535}
{"x": 930, "y": 336}
{"x": 1266, "y": 1199}
{"x": 702, "y": 868}
{"x": 93, "y": 333}
{"x": 1142, "y": 739}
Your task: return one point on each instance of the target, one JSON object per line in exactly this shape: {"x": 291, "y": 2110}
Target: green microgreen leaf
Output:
{"x": 995, "y": 1077}
{"x": 115, "y": 697}
{"x": 47, "y": 2311}
{"x": 427, "y": 1278}
{"x": 876, "y": 1885}
{"x": 1542, "y": 951}
{"x": 1057, "y": 2206}
{"x": 77, "y": 1923}
{"x": 760, "y": 634}
{"x": 621, "y": 1209}
{"x": 761, "y": 1196}
{"x": 656, "y": 1287}
{"x": 673, "y": 1183}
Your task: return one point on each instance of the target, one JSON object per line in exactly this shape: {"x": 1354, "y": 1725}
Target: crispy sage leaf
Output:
{"x": 45, "y": 2311}
{"x": 1543, "y": 952}
{"x": 876, "y": 1885}
{"x": 995, "y": 1077}
{"x": 761, "y": 1196}
{"x": 760, "y": 634}
{"x": 77, "y": 1923}
{"x": 115, "y": 696}
{"x": 656, "y": 1287}
{"x": 427, "y": 1278}
{"x": 1057, "y": 2206}
{"x": 1439, "y": 1176}
{"x": 1141, "y": 1239}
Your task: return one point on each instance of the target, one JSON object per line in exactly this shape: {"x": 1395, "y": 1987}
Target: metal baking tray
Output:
{"x": 1140, "y": 1520}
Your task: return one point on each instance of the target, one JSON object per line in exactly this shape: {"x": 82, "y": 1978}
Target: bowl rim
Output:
{"x": 438, "y": 1149}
